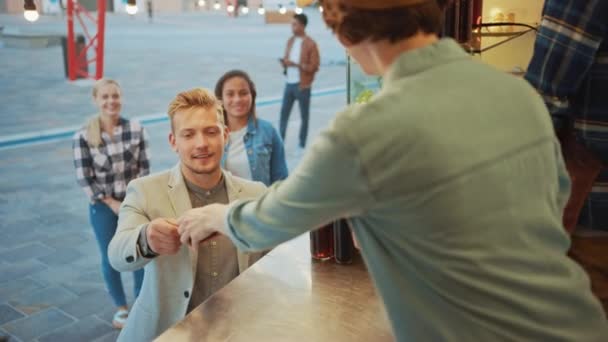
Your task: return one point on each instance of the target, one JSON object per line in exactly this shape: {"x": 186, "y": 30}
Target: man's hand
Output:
{"x": 198, "y": 224}
{"x": 112, "y": 203}
{"x": 162, "y": 235}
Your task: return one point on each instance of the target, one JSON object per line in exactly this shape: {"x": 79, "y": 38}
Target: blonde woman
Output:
{"x": 109, "y": 152}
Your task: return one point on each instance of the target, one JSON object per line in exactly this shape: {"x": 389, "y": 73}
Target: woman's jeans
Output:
{"x": 104, "y": 223}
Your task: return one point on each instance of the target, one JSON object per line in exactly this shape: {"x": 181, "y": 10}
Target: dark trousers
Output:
{"x": 590, "y": 252}
{"x": 293, "y": 92}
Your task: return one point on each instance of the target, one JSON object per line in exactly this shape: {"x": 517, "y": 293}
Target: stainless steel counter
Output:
{"x": 288, "y": 297}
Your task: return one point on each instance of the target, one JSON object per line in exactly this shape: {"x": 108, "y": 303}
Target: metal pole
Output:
{"x": 71, "y": 43}
{"x": 101, "y": 27}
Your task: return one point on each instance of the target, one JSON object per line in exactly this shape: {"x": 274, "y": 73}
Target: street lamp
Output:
{"x": 298, "y": 10}
{"x": 245, "y": 10}
{"x": 217, "y": 6}
{"x": 131, "y": 7}
{"x": 201, "y": 3}
{"x": 230, "y": 8}
{"x": 261, "y": 10}
{"x": 282, "y": 9}
{"x": 30, "y": 13}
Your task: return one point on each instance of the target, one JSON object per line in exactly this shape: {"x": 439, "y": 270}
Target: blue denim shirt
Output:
{"x": 265, "y": 152}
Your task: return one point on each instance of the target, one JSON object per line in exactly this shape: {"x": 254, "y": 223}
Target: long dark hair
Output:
{"x": 219, "y": 88}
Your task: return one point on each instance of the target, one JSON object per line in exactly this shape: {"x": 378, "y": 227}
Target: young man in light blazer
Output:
{"x": 179, "y": 277}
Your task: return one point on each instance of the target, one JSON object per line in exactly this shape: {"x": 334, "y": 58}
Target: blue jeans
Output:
{"x": 104, "y": 223}
{"x": 292, "y": 93}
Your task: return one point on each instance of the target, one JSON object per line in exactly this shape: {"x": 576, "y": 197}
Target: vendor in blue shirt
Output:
{"x": 254, "y": 149}
{"x": 452, "y": 180}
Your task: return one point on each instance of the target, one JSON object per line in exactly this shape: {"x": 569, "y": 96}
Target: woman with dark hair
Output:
{"x": 453, "y": 183}
{"x": 254, "y": 149}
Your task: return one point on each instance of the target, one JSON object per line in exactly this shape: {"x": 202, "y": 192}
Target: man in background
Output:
{"x": 301, "y": 63}
{"x": 570, "y": 69}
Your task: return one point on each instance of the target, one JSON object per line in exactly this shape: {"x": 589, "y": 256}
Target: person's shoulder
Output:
{"x": 265, "y": 125}
{"x": 133, "y": 124}
{"x": 360, "y": 111}
{"x": 248, "y": 187}
{"x": 152, "y": 180}
{"x": 80, "y": 133}
{"x": 266, "y": 130}
{"x": 310, "y": 40}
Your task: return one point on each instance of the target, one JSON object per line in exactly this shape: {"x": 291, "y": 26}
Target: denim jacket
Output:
{"x": 265, "y": 152}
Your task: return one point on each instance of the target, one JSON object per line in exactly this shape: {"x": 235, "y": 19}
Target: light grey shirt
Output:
{"x": 454, "y": 184}
{"x": 217, "y": 258}
{"x": 237, "y": 160}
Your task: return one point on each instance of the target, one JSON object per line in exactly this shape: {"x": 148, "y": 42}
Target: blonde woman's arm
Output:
{"x": 85, "y": 174}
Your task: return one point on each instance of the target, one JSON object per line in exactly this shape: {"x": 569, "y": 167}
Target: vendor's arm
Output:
{"x": 328, "y": 184}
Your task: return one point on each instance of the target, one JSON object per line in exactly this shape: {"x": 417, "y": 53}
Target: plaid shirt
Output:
{"x": 106, "y": 170}
{"x": 570, "y": 69}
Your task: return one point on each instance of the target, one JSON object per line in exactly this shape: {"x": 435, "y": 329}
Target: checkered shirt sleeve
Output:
{"x": 105, "y": 171}
{"x": 568, "y": 40}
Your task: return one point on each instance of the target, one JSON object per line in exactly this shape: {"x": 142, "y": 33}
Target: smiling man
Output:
{"x": 179, "y": 278}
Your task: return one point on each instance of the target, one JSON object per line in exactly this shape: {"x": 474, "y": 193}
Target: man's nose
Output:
{"x": 201, "y": 140}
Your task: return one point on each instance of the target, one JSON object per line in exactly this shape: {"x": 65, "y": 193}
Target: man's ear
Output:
{"x": 172, "y": 141}
{"x": 226, "y": 133}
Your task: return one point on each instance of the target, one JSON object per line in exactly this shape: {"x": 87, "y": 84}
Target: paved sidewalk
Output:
{"x": 152, "y": 61}
{"x": 51, "y": 287}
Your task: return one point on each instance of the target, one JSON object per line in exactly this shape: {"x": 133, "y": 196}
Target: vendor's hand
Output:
{"x": 198, "y": 224}
{"x": 112, "y": 203}
{"x": 162, "y": 236}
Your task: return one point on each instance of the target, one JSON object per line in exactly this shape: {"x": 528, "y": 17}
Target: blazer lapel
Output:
{"x": 180, "y": 200}
{"x": 234, "y": 190}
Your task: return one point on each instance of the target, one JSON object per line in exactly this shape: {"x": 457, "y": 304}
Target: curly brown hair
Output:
{"x": 394, "y": 24}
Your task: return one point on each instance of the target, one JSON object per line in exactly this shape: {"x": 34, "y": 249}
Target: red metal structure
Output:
{"x": 77, "y": 58}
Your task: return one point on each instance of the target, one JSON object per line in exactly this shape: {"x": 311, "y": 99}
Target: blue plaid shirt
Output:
{"x": 570, "y": 69}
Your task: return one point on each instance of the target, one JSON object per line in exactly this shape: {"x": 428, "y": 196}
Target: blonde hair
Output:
{"x": 93, "y": 126}
{"x": 195, "y": 98}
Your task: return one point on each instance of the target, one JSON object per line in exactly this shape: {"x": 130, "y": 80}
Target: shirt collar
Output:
{"x": 205, "y": 192}
{"x": 419, "y": 60}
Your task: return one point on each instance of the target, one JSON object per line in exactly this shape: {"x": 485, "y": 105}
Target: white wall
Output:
{"x": 527, "y": 11}
{"x": 518, "y": 52}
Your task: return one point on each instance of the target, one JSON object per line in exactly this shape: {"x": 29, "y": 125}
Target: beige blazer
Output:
{"x": 168, "y": 279}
